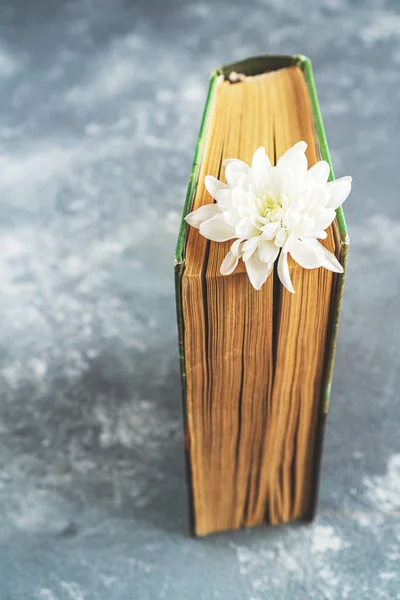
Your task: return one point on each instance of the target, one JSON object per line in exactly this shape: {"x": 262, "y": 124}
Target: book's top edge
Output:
{"x": 249, "y": 67}
{"x": 256, "y": 65}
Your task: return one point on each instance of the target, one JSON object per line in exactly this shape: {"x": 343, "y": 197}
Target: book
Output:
{"x": 256, "y": 365}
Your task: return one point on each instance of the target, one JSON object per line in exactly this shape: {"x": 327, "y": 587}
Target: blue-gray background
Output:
{"x": 100, "y": 109}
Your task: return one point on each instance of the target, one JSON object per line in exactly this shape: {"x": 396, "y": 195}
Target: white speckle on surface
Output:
{"x": 388, "y": 576}
{"x": 111, "y": 78}
{"x": 94, "y": 129}
{"x": 133, "y": 425}
{"x": 368, "y": 519}
{"x": 72, "y": 591}
{"x": 338, "y": 107}
{"x": 172, "y": 220}
{"x": 376, "y": 227}
{"x": 38, "y": 510}
{"x": 288, "y": 553}
{"x": 346, "y": 590}
{"x": 9, "y": 64}
{"x": 73, "y": 266}
{"x": 46, "y": 594}
{"x": 289, "y": 561}
{"x": 193, "y": 89}
{"x": 11, "y": 246}
{"x": 383, "y": 26}
{"x": 38, "y": 366}
{"x": 165, "y": 96}
{"x": 244, "y": 556}
{"x": 335, "y": 4}
{"x": 198, "y": 10}
{"x": 325, "y": 539}
{"x": 23, "y": 170}
{"x": 331, "y": 580}
{"x": 383, "y": 491}
{"x": 11, "y": 373}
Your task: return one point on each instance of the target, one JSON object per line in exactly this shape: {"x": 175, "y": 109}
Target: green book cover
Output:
{"x": 251, "y": 67}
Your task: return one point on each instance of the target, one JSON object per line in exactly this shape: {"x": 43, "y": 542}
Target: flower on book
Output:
{"x": 272, "y": 211}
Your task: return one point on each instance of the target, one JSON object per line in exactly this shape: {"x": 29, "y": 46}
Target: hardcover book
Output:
{"x": 256, "y": 364}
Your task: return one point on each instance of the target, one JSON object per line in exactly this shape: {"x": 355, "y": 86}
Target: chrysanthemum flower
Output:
{"x": 271, "y": 212}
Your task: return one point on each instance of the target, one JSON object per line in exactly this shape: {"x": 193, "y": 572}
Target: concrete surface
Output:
{"x": 100, "y": 109}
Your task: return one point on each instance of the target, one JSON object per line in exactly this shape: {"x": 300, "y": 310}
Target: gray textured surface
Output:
{"x": 100, "y": 108}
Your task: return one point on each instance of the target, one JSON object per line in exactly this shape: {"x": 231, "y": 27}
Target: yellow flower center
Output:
{"x": 271, "y": 210}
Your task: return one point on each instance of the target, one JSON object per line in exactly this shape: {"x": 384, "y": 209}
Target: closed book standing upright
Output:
{"x": 256, "y": 363}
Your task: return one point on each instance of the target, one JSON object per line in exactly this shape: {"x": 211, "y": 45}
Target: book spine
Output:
{"x": 181, "y": 352}
{"x": 194, "y": 175}
{"x": 305, "y": 64}
{"x": 179, "y": 265}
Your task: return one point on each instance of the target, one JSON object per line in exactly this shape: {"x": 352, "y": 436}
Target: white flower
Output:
{"x": 272, "y": 211}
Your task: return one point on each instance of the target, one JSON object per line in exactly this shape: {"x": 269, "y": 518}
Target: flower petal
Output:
{"x": 308, "y": 256}
{"x": 217, "y": 229}
{"x": 325, "y": 219}
{"x": 236, "y": 249}
{"x": 320, "y": 171}
{"x": 321, "y": 235}
{"x": 300, "y": 146}
{"x": 240, "y": 163}
{"x": 294, "y": 158}
{"x": 229, "y": 263}
{"x": 197, "y": 217}
{"x": 280, "y": 237}
{"x": 258, "y": 271}
{"x": 213, "y": 185}
{"x": 330, "y": 261}
{"x": 339, "y": 190}
{"x": 318, "y": 197}
{"x": 287, "y": 246}
{"x": 267, "y": 251}
{"x": 260, "y": 165}
{"x": 283, "y": 272}
{"x": 250, "y": 246}
{"x": 225, "y": 198}
{"x": 233, "y": 205}
{"x": 246, "y": 228}
{"x": 235, "y": 169}
{"x": 269, "y": 230}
